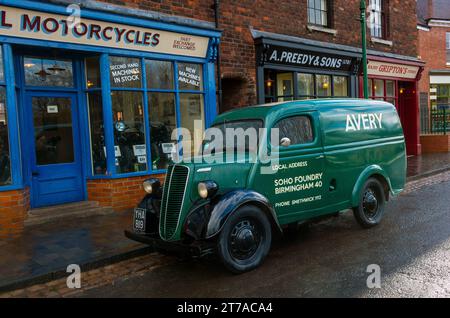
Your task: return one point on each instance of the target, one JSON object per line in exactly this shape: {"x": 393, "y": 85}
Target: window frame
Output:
{"x": 328, "y": 21}
{"x": 384, "y": 97}
{"x": 383, "y": 15}
{"x": 107, "y": 89}
{"x": 314, "y": 141}
{"x": 296, "y": 95}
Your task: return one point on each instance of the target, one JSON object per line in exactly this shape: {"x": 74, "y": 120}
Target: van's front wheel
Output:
{"x": 245, "y": 239}
{"x": 371, "y": 204}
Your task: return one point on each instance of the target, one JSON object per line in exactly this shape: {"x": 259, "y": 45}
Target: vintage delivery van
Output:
{"x": 332, "y": 155}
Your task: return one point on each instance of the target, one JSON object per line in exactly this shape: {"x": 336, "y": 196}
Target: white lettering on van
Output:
{"x": 363, "y": 122}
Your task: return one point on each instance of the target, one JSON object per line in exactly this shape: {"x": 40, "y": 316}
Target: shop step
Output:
{"x": 65, "y": 211}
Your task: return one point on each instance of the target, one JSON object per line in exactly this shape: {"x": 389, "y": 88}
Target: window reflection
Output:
{"x": 98, "y": 151}
{"x": 129, "y": 132}
{"x": 190, "y": 77}
{"x": 191, "y": 109}
{"x": 162, "y": 123}
{"x": 159, "y": 74}
{"x": 125, "y": 72}
{"x": 48, "y": 72}
{"x": 92, "y": 72}
{"x": 323, "y": 85}
{"x": 5, "y": 167}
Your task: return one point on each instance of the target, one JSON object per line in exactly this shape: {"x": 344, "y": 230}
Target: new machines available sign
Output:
{"x": 53, "y": 27}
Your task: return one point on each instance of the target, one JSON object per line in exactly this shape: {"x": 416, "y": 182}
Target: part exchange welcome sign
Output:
{"x": 51, "y": 27}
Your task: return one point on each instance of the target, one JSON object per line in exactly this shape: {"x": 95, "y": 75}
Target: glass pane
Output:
{"x": 391, "y": 100}
{"x": 379, "y": 88}
{"x": 285, "y": 84}
{"x": 311, "y": 17}
{"x": 98, "y": 151}
{"x": 340, "y": 86}
{"x": 190, "y": 77}
{"x": 305, "y": 84}
{"x": 5, "y": 167}
{"x": 93, "y": 72}
{"x": 390, "y": 88}
{"x": 162, "y": 122}
{"x": 52, "y": 118}
{"x": 48, "y": 72}
{"x": 129, "y": 132}
{"x": 2, "y": 76}
{"x": 159, "y": 74}
{"x": 125, "y": 72}
{"x": 370, "y": 87}
{"x": 191, "y": 108}
{"x": 323, "y": 85}
{"x": 298, "y": 129}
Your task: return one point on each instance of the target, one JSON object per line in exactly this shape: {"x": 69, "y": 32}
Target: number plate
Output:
{"x": 139, "y": 219}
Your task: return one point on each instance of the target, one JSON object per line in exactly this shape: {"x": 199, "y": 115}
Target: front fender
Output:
{"x": 230, "y": 202}
{"x": 365, "y": 174}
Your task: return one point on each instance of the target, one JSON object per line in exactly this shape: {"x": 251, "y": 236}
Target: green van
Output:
{"x": 331, "y": 155}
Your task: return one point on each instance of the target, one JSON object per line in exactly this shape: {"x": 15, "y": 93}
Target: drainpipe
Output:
{"x": 219, "y": 74}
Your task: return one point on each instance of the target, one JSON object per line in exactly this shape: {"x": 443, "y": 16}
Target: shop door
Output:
{"x": 55, "y": 149}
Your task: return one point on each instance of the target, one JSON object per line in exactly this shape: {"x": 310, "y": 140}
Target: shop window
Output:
{"x": 383, "y": 90}
{"x": 305, "y": 84}
{"x": 378, "y": 21}
{"x": 319, "y": 12}
{"x": 285, "y": 90}
{"x": 340, "y": 86}
{"x": 92, "y": 72}
{"x": 190, "y": 77}
{"x": 191, "y": 109}
{"x": 162, "y": 113}
{"x": 125, "y": 72}
{"x": 297, "y": 128}
{"x": 2, "y": 75}
{"x": 447, "y": 45}
{"x": 159, "y": 74}
{"x": 5, "y": 164}
{"x": 440, "y": 95}
{"x": 279, "y": 87}
{"x": 378, "y": 89}
{"x": 48, "y": 72}
{"x": 129, "y": 131}
{"x": 323, "y": 85}
{"x": 98, "y": 150}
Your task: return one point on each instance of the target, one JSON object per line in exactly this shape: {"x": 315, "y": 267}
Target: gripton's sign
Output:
{"x": 52, "y": 27}
{"x": 296, "y": 57}
{"x": 392, "y": 70}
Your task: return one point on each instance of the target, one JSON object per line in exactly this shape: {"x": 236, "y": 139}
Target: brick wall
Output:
{"x": 288, "y": 17}
{"x": 119, "y": 194}
{"x": 431, "y": 47}
{"x": 13, "y": 211}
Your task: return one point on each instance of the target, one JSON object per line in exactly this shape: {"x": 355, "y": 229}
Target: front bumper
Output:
{"x": 195, "y": 249}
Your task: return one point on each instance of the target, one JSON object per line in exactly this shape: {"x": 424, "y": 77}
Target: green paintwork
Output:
{"x": 339, "y": 160}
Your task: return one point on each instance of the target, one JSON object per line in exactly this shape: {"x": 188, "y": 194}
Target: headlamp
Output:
{"x": 151, "y": 185}
{"x": 207, "y": 189}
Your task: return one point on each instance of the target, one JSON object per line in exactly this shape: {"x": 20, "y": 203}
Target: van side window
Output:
{"x": 297, "y": 128}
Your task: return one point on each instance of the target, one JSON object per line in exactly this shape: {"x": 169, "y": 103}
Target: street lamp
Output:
{"x": 362, "y": 8}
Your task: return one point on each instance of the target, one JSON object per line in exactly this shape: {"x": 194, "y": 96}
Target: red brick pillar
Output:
{"x": 14, "y": 206}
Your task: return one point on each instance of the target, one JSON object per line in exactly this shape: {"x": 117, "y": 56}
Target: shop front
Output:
{"x": 87, "y": 109}
{"x": 395, "y": 81}
{"x": 292, "y": 68}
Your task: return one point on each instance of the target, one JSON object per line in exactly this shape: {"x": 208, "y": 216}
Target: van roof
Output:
{"x": 264, "y": 110}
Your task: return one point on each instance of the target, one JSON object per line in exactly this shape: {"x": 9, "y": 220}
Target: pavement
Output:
{"x": 42, "y": 254}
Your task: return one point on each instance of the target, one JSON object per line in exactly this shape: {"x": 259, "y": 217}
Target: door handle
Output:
{"x": 320, "y": 157}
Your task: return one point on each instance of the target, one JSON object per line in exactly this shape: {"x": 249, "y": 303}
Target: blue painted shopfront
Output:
{"x": 73, "y": 110}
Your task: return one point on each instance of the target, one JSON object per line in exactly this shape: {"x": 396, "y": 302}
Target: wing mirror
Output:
{"x": 285, "y": 142}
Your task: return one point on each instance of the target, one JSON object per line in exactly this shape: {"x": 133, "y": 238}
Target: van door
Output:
{"x": 296, "y": 189}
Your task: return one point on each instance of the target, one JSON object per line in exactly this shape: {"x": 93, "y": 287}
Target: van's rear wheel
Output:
{"x": 245, "y": 239}
{"x": 371, "y": 204}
